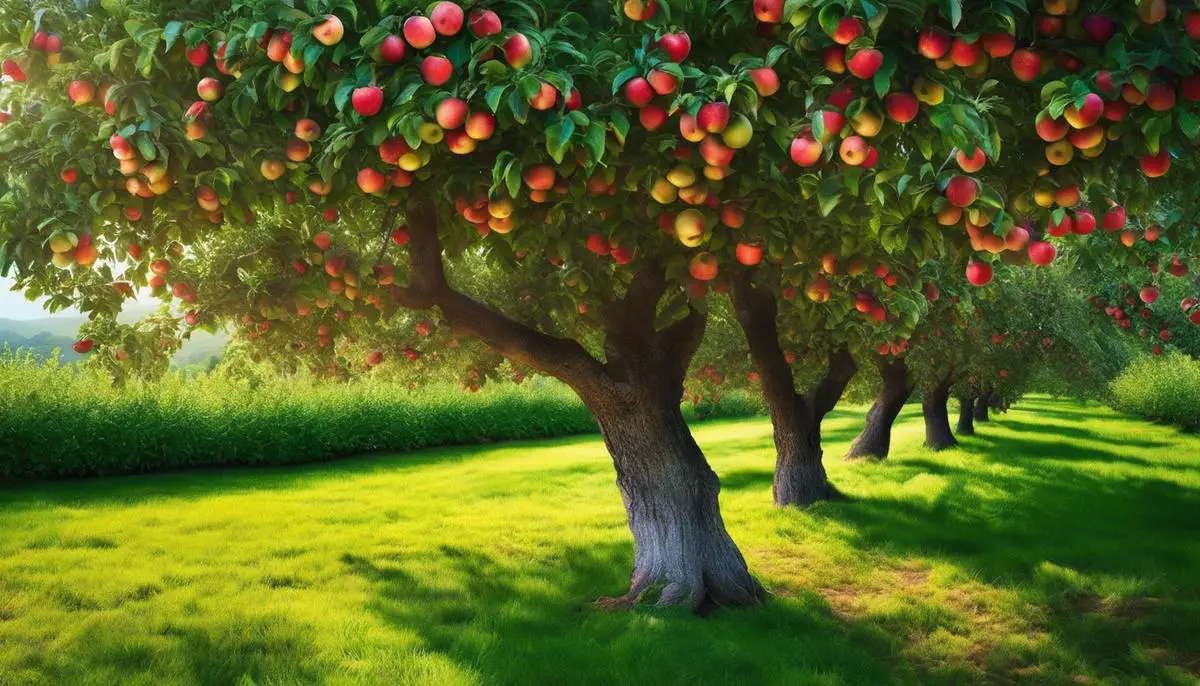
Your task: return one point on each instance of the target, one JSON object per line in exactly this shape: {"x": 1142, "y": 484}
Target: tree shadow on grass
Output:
{"x": 1077, "y": 433}
{"x": 1110, "y": 559}
{"x": 541, "y": 626}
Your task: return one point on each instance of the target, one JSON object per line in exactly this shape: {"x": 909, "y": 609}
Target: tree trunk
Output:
{"x": 966, "y": 416}
{"x": 682, "y": 552}
{"x": 681, "y": 548}
{"x": 875, "y": 439}
{"x": 800, "y": 478}
{"x": 981, "y": 406}
{"x": 937, "y": 420}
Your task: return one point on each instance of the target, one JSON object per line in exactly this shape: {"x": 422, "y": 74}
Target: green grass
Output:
{"x": 1058, "y": 546}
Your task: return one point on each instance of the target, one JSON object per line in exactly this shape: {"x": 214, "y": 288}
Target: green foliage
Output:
{"x": 472, "y": 566}
{"x": 1165, "y": 389}
{"x": 66, "y": 421}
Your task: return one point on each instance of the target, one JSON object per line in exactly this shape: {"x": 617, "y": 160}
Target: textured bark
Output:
{"x": 937, "y": 421}
{"x": 966, "y": 416}
{"x": 682, "y": 552}
{"x": 875, "y": 439}
{"x": 800, "y": 477}
{"x": 981, "y": 406}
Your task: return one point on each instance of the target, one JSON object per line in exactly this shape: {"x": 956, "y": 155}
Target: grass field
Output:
{"x": 1058, "y": 546}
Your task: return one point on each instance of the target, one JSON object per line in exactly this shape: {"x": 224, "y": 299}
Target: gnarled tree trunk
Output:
{"x": 981, "y": 406}
{"x": 966, "y": 416}
{"x": 682, "y": 552}
{"x": 937, "y": 420}
{"x": 800, "y": 477}
{"x": 875, "y": 439}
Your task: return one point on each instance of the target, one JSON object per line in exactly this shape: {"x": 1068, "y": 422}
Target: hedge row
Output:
{"x": 1165, "y": 389}
{"x": 66, "y": 421}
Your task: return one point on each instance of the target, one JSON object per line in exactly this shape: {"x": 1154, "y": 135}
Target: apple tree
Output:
{"x": 311, "y": 170}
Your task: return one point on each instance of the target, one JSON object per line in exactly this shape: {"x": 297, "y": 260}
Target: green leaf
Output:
{"x": 954, "y": 12}
{"x": 594, "y": 139}
{"x": 493, "y": 97}
{"x": 620, "y": 125}
{"x": 623, "y": 76}
{"x": 171, "y": 33}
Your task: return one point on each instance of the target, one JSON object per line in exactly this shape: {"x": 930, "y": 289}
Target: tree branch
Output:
{"x": 756, "y": 309}
{"x": 826, "y": 394}
{"x": 562, "y": 358}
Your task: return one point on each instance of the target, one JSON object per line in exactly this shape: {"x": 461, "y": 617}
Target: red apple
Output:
{"x": 367, "y": 100}
{"x": 1026, "y": 64}
{"x": 933, "y": 43}
{"x": 484, "y": 23}
{"x": 768, "y": 11}
{"x": 765, "y": 80}
{"x": 392, "y": 49}
{"x": 517, "y": 51}
{"x": 805, "y": 150}
{"x": 197, "y": 56}
{"x": 330, "y": 31}
{"x": 901, "y": 107}
{"x": 979, "y": 273}
{"x": 703, "y": 267}
{"x": 961, "y": 191}
{"x": 676, "y": 45}
{"x": 1155, "y": 166}
{"x": 419, "y": 32}
{"x": 436, "y": 70}
{"x": 713, "y": 117}
{"x": 748, "y": 254}
{"x": 447, "y": 18}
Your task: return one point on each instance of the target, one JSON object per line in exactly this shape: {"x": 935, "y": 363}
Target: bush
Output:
{"x": 1163, "y": 388}
{"x": 60, "y": 421}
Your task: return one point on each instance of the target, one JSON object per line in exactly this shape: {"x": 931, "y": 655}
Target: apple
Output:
{"x": 484, "y": 23}
{"x": 598, "y": 244}
{"x": 1026, "y": 64}
{"x": 662, "y": 82}
{"x": 307, "y": 130}
{"x": 277, "y": 48}
{"x": 392, "y": 149}
{"x": 768, "y": 11}
{"x": 330, "y": 214}
{"x": 1086, "y": 114}
{"x": 833, "y": 58}
{"x": 715, "y": 152}
{"x": 677, "y": 46}
{"x": 1085, "y": 223}
{"x": 574, "y": 100}
{"x": 1151, "y": 11}
{"x": 765, "y": 80}
{"x": 447, "y": 18}
{"x": 517, "y": 51}
{"x": 1016, "y": 239}
{"x": 1060, "y": 153}
{"x": 652, "y": 117}
{"x": 998, "y": 45}
{"x": 748, "y": 254}
{"x": 1049, "y": 27}
{"x": 949, "y": 215}
{"x": 1154, "y": 166}
{"x": 853, "y": 150}
{"x": 271, "y": 169}
{"x": 209, "y": 89}
{"x": 638, "y": 92}
{"x": 733, "y": 215}
{"x": 480, "y": 125}
{"x": 805, "y": 150}
{"x": 330, "y": 31}
{"x": 703, "y": 266}
{"x": 297, "y": 150}
{"x": 964, "y": 53}
{"x": 371, "y": 181}
{"x": 367, "y": 100}
{"x": 929, "y": 92}
{"x": 1189, "y": 87}
{"x": 83, "y": 92}
{"x": 933, "y": 43}
{"x": 865, "y": 63}
{"x": 866, "y": 123}
{"x": 961, "y": 191}
{"x": 833, "y": 123}
{"x": 70, "y": 175}
{"x": 1085, "y": 139}
{"x": 1152, "y": 234}
{"x": 451, "y": 113}
{"x": 1067, "y": 196}
{"x": 713, "y": 117}
{"x": 1113, "y": 219}
{"x": 1131, "y": 95}
{"x": 539, "y": 177}
{"x": 392, "y": 49}
{"x": 436, "y": 70}
{"x": 689, "y": 227}
{"x": 419, "y": 32}
{"x": 846, "y": 30}
{"x": 640, "y": 10}
{"x": 320, "y": 188}
{"x": 979, "y": 273}
{"x": 1160, "y": 97}
{"x": 84, "y": 346}
{"x": 901, "y": 107}
{"x": 1060, "y": 228}
{"x": 1099, "y": 28}
{"x": 971, "y": 163}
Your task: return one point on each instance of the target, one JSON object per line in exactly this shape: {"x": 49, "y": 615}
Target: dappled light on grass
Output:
{"x": 1055, "y": 545}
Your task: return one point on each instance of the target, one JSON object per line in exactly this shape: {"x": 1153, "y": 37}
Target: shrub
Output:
{"x": 60, "y": 421}
{"x": 1163, "y": 388}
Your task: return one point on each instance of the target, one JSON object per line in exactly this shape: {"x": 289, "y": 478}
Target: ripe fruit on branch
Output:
{"x": 640, "y": 10}
{"x": 961, "y": 191}
{"x": 703, "y": 267}
{"x": 765, "y": 80}
{"x": 979, "y": 273}
{"x": 435, "y": 70}
{"x": 367, "y": 100}
{"x": 271, "y": 169}
{"x": 447, "y": 18}
{"x": 865, "y": 63}
{"x": 1026, "y": 64}
{"x": 1085, "y": 115}
{"x": 371, "y": 181}
{"x": 638, "y": 91}
{"x": 1149, "y": 294}
{"x": 805, "y": 150}
{"x": 209, "y": 89}
{"x": 517, "y": 51}
{"x": 847, "y": 29}
{"x": 451, "y": 113}
{"x": 484, "y": 23}
{"x": 392, "y": 49}
{"x": 853, "y": 150}
{"x": 676, "y": 45}
{"x": 277, "y": 48}
{"x": 933, "y": 43}
{"x": 901, "y": 107}
{"x": 329, "y": 32}
{"x": 81, "y": 92}
{"x": 971, "y": 163}
{"x": 307, "y": 130}
{"x": 419, "y": 32}
{"x": 1155, "y": 166}
{"x": 84, "y": 346}
{"x": 713, "y": 117}
{"x": 297, "y": 150}
{"x": 689, "y": 227}
{"x": 768, "y": 11}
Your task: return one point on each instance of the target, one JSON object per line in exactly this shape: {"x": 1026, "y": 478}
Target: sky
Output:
{"x": 13, "y": 305}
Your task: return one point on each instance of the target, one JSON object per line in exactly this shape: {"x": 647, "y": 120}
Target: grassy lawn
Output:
{"x": 1061, "y": 545}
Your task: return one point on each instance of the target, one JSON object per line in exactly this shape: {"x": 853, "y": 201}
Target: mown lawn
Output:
{"x": 1061, "y": 545}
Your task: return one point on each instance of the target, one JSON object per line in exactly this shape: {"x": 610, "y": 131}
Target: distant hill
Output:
{"x": 42, "y": 336}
